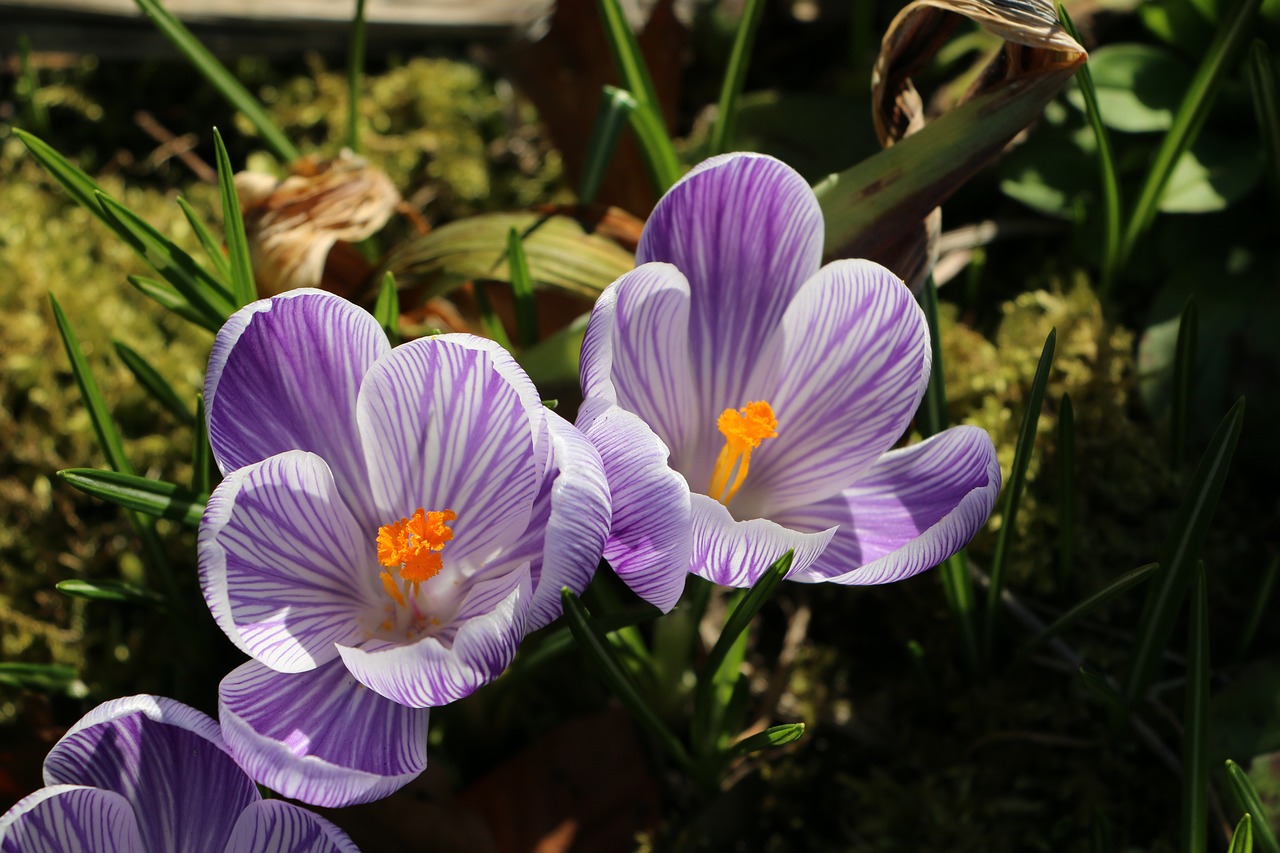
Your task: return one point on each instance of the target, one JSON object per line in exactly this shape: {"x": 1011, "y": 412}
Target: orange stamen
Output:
{"x": 743, "y": 430}
{"x": 410, "y": 548}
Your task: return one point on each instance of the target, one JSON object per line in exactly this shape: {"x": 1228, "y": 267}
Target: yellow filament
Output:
{"x": 743, "y": 430}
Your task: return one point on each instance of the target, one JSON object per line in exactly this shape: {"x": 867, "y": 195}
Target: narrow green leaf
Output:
{"x": 1195, "y": 724}
{"x": 37, "y": 676}
{"x": 1247, "y": 799}
{"x": 1237, "y": 25}
{"x": 355, "y": 68}
{"x": 956, "y": 584}
{"x": 104, "y": 426}
{"x": 627, "y": 58}
{"x": 1261, "y": 600}
{"x": 171, "y": 299}
{"x": 1066, "y": 491}
{"x": 204, "y": 472}
{"x": 1017, "y": 480}
{"x": 153, "y": 497}
{"x": 522, "y": 291}
{"x": 387, "y": 308}
{"x": 492, "y": 322}
{"x": 734, "y": 76}
{"x": 1092, "y": 604}
{"x": 212, "y": 248}
{"x": 220, "y": 78}
{"x": 1098, "y": 684}
{"x": 115, "y": 591}
{"x": 597, "y": 650}
{"x": 1179, "y": 555}
{"x": 154, "y": 384}
{"x": 746, "y": 611}
{"x": 615, "y": 110}
{"x": 34, "y": 111}
{"x": 1112, "y": 216}
{"x": 1183, "y": 379}
{"x": 1242, "y": 838}
{"x": 655, "y": 145}
{"x": 196, "y": 284}
{"x": 243, "y": 289}
{"x": 78, "y": 185}
{"x": 770, "y": 738}
{"x": 1266, "y": 106}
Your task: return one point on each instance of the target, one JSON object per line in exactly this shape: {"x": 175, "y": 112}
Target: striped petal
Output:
{"x": 167, "y": 760}
{"x": 283, "y": 375}
{"x": 570, "y": 522}
{"x": 286, "y": 569}
{"x": 469, "y": 652}
{"x": 913, "y": 509}
{"x": 737, "y": 553}
{"x": 636, "y": 353}
{"x": 650, "y": 543}
{"x": 746, "y": 231}
{"x": 272, "y": 826}
{"x": 319, "y": 736}
{"x": 857, "y": 361}
{"x": 70, "y": 818}
{"x": 451, "y": 422}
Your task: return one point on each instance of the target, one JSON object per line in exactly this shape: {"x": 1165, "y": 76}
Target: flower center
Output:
{"x": 743, "y": 431}
{"x": 410, "y": 549}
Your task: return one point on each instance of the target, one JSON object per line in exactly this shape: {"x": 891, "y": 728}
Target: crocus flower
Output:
{"x": 745, "y": 400}
{"x": 390, "y": 525}
{"x": 147, "y": 774}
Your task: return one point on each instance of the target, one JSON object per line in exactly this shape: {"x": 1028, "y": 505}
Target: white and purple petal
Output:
{"x": 570, "y": 522}
{"x": 451, "y": 423}
{"x": 737, "y": 553}
{"x": 272, "y": 826}
{"x": 746, "y": 231}
{"x": 283, "y": 375}
{"x": 286, "y": 569}
{"x": 148, "y": 749}
{"x": 69, "y": 819}
{"x": 320, "y": 736}
{"x": 856, "y": 350}
{"x": 910, "y": 511}
{"x": 476, "y": 645}
{"x": 650, "y": 543}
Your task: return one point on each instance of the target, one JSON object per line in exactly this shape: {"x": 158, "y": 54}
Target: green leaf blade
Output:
{"x": 243, "y": 289}
{"x": 152, "y": 497}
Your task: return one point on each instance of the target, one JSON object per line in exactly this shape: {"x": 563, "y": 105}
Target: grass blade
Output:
{"x": 1266, "y": 106}
{"x": 220, "y": 78}
{"x": 153, "y": 497}
{"x": 1237, "y": 25}
{"x": 1242, "y": 838}
{"x": 243, "y": 289}
{"x": 627, "y": 58}
{"x": 1066, "y": 491}
{"x": 204, "y": 473}
{"x": 1260, "y": 602}
{"x": 1247, "y": 798}
{"x": 387, "y": 308}
{"x": 596, "y": 648}
{"x": 659, "y": 155}
{"x": 492, "y": 322}
{"x": 1017, "y": 480}
{"x": 174, "y": 301}
{"x": 1112, "y": 216}
{"x": 615, "y": 109}
{"x": 734, "y": 76}
{"x": 45, "y": 677}
{"x": 355, "y": 68}
{"x": 212, "y": 248}
{"x": 770, "y": 738}
{"x": 78, "y": 185}
{"x": 155, "y": 384}
{"x": 1098, "y": 684}
{"x": 1195, "y": 724}
{"x": 522, "y": 291}
{"x": 1180, "y": 554}
{"x": 35, "y": 114}
{"x": 1090, "y": 605}
{"x": 1183, "y": 363}
{"x": 116, "y": 592}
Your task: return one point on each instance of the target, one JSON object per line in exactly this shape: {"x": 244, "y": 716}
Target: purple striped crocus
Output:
{"x": 745, "y": 400}
{"x": 392, "y": 522}
{"x": 147, "y": 774}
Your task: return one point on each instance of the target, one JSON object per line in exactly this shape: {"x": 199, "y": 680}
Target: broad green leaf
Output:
{"x": 243, "y": 290}
{"x": 153, "y": 497}
{"x": 154, "y": 384}
{"x": 554, "y": 361}
{"x": 115, "y": 591}
{"x": 770, "y": 738}
{"x": 1139, "y": 86}
{"x": 1213, "y": 174}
